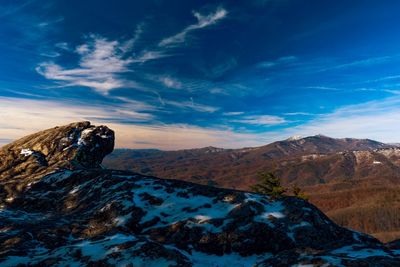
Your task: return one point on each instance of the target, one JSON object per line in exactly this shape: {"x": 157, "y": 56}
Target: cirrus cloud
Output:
{"x": 202, "y": 22}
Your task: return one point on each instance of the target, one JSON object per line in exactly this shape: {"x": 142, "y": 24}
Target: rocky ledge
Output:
{"x": 74, "y": 146}
{"x": 66, "y": 211}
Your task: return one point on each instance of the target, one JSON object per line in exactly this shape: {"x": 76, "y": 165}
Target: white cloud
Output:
{"x": 62, "y": 46}
{"x": 129, "y": 44}
{"x": 361, "y": 63}
{"x": 298, "y": 114}
{"x": 202, "y": 22}
{"x": 170, "y": 82}
{"x": 233, "y": 113}
{"x": 50, "y": 54}
{"x": 99, "y": 67}
{"x": 135, "y": 104}
{"x": 323, "y": 88}
{"x": 260, "y": 120}
{"x": 190, "y": 105}
{"x": 145, "y": 56}
{"x": 103, "y": 62}
{"x": 280, "y": 61}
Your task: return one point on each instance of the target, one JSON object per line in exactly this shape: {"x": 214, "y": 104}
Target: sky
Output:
{"x": 187, "y": 74}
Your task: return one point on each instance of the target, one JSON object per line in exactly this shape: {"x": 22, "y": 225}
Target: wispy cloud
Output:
{"x": 104, "y": 64}
{"x": 33, "y": 115}
{"x": 360, "y": 63}
{"x": 233, "y": 113}
{"x": 262, "y": 120}
{"x": 9, "y": 10}
{"x": 128, "y": 45}
{"x": 27, "y": 112}
{"x": 101, "y": 63}
{"x": 323, "y": 88}
{"x": 150, "y": 55}
{"x": 135, "y": 104}
{"x": 280, "y": 61}
{"x": 170, "y": 82}
{"x": 302, "y": 66}
{"x": 298, "y": 114}
{"x": 203, "y": 21}
{"x": 191, "y": 105}
{"x": 50, "y": 54}
{"x": 223, "y": 66}
{"x": 62, "y": 46}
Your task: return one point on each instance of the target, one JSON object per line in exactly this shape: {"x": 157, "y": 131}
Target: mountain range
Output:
{"x": 354, "y": 181}
{"x": 59, "y": 207}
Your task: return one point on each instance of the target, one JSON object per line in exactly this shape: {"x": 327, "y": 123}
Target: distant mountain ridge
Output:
{"x": 325, "y": 167}
{"x": 207, "y": 163}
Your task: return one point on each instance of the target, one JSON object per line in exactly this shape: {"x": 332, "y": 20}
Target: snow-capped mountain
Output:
{"x": 61, "y": 209}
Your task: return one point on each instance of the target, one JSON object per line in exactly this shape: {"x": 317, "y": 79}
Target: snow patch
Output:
{"x": 294, "y": 138}
{"x": 26, "y": 152}
{"x": 359, "y": 252}
{"x": 200, "y": 259}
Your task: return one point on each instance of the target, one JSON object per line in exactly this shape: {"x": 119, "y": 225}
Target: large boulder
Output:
{"x": 74, "y": 146}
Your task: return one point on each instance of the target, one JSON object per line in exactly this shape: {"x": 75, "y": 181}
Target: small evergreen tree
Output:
{"x": 269, "y": 185}
{"x": 297, "y": 192}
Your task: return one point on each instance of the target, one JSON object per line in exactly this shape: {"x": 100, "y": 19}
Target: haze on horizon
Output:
{"x": 186, "y": 74}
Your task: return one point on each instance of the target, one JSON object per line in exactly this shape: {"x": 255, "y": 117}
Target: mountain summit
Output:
{"x": 67, "y": 211}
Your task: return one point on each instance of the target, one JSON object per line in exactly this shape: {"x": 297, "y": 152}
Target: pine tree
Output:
{"x": 269, "y": 185}
{"x": 297, "y": 192}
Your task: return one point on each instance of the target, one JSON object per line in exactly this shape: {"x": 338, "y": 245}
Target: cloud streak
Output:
{"x": 203, "y": 21}
{"x": 260, "y": 120}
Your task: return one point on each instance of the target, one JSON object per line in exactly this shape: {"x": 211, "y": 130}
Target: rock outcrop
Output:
{"x": 73, "y": 214}
{"x": 74, "y": 146}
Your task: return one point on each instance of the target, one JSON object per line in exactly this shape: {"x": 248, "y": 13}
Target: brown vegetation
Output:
{"x": 354, "y": 181}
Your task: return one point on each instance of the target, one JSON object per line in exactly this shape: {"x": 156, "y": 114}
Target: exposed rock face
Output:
{"x": 82, "y": 216}
{"x": 74, "y": 146}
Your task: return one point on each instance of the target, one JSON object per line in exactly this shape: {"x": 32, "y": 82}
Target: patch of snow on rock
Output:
{"x": 26, "y": 152}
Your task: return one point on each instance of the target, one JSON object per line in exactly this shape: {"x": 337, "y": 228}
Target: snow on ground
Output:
{"x": 200, "y": 259}
{"x": 171, "y": 204}
{"x": 179, "y": 205}
{"x": 359, "y": 252}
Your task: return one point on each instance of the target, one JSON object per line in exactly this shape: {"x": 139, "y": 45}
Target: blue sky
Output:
{"x": 184, "y": 74}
